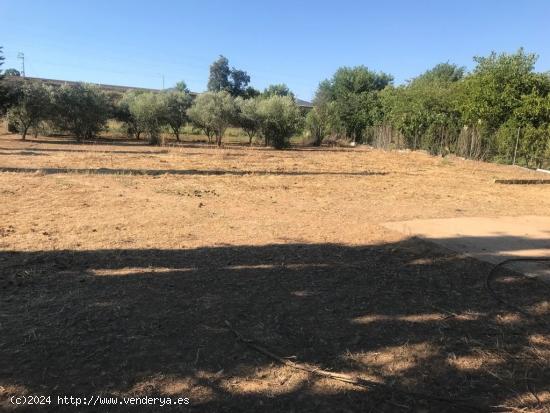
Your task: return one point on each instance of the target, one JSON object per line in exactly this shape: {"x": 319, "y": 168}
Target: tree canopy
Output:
{"x": 231, "y": 80}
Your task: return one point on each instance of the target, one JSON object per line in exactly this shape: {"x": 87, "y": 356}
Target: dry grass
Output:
{"x": 120, "y": 263}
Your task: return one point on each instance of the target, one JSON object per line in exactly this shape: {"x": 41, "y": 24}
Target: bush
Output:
{"x": 317, "y": 125}
{"x": 82, "y": 110}
{"x": 280, "y": 119}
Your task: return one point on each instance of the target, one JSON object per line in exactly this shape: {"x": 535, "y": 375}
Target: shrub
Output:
{"x": 317, "y": 125}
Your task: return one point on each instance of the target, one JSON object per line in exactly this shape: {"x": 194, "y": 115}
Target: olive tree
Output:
{"x": 248, "y": 117}
{"x": 81, "y": 109}
{"x": 280, "y": 119}
{"x": 213, "y": 112}
{"x": 149, "y": 111}
{"x": 33, "y": 103}
{"x": 122, "y": 113}
{"x": 176, "y": 104}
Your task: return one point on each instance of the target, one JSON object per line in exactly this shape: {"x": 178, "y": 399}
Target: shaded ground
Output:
{"x": 121, "y": 284}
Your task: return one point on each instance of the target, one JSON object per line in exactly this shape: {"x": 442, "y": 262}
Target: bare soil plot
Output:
{"x": 490, "y": 239}
{"x": 120, "y": 282}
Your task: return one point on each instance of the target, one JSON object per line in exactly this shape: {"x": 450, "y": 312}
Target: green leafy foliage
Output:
{"x": 123, "y": 114}
{"x": 351, "y": 96}
{"x": 222, "y": 78}
{"x": 176, "y": 104}
{"x": 12, "y": 72}
{"x": 148, "y": 111}
{"x": 277, "y": 90}
{"x": 33, "y": 105}
{"x": 248, "y": 117}
{"x": 213, "y": 112}
{"x": 81, "y": 109}
{"x": 424, "y": 110}
{"x": 317, "y": 124}
{"x": 280, "y": 119}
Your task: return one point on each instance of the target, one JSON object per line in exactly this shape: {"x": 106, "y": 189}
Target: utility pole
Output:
{"x": 162, "y": 82}
{"x": 21, "y": 56}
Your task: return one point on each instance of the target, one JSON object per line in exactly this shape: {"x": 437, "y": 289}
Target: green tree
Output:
{"x": 81, "y": 109}
{"x": 424, "y": 110}
{"x": 2, "y": 58}
{"x": 525, "y": 137}
{"x": 251, "y": 92}
{"x": 219, "y": 75}
{"x": 176, "y": 104}
{"x": 442, "y": 72}
{"x": 123, "y": 114}
{"x": 280, "y": 89}
{"x": 213, "y": 112}
{"x": 149, "y": 111}
{"x": 494, "y": 90}
{"x": 181, "y": 86}
{"x": 12, "y": 72}
{"x": 280, "y": 119}
{"x": 353, "y": 96}
{"x": 239, "y": 82}
{"x": 33, "y": 106}
{"x": 248, "y": 117}
{"x": 222, "y": 78}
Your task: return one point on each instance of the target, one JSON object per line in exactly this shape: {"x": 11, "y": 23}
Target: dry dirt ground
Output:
{"x": 121, "y": 262}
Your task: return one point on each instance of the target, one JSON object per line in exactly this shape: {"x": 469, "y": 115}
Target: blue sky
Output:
{"x": 295, "y": 42}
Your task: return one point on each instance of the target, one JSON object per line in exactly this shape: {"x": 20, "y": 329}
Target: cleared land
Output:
{"x": 120, "y": 263}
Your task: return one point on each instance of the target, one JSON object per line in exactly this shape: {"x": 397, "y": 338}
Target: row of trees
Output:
{"x": 83, "y": 110}
{"x": 501, "y": 110}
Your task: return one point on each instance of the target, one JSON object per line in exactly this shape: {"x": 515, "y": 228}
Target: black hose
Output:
{"x": 492, "y": 274}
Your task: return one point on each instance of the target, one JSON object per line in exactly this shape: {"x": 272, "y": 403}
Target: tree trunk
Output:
{"x": 176, "y": 133}
{"x": 24, "y": 133}
{"x": 219, "y": 140}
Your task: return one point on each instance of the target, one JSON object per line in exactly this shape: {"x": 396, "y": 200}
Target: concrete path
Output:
{"x": 489, "y": 239}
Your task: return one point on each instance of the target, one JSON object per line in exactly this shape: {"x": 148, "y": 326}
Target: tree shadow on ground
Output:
{"x": 148, "y": 321}
{"x": 156, "y": 172}
{"x": 36, "y": 151}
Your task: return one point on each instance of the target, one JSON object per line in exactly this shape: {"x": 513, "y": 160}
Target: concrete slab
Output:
{"x": 489, "y": 239}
